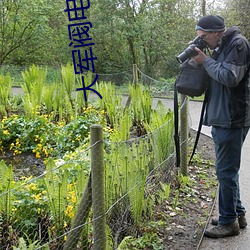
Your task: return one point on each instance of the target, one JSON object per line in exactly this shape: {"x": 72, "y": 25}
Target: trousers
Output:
{"x": 228, "y": 146}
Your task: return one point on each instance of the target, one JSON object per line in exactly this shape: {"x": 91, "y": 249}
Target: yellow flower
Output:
{"x": 73, "y": 199}
{"x": 69, "y": 211}
{"x": 38, "y": 155}
{"x": 45, "y": 151}
{"x": 37, "y": 196}
{"x": 31, "y": 187}
{"x": 14, "y": 209}
{"x": 6, "y": 132}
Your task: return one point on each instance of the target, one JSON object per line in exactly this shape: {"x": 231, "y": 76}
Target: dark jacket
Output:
{"x": 229, "y": 90}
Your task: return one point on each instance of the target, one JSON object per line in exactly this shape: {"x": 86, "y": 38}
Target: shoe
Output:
{"x": 221, "y": 231}
{"x": 241, "y": 219}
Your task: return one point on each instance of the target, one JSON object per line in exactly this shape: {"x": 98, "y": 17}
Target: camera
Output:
{"x": 190, "y": 51}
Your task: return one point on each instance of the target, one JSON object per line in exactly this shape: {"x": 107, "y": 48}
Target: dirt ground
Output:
{"x": 187, "y": 222}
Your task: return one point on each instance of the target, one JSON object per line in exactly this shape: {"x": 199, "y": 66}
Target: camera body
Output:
{"x": 190, "y": 51}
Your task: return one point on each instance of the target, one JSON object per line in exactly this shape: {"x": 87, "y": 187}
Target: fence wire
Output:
{"x": 41, "y": 211}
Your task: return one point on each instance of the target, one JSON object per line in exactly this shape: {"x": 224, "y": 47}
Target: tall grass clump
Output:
{"x": 141, "y": 106}
{"x": 68, "y": 80}
{"x": 113, "y": 108}
{"x": 5, "y": 89}
{"x": 161, "y": 130}
{"x": 33, "y": 85}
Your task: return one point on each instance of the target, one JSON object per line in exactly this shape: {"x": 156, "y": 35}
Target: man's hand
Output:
{"x": 200, "y": 58}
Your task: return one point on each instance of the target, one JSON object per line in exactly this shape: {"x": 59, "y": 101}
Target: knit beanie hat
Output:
{"x": 210, "y": 23}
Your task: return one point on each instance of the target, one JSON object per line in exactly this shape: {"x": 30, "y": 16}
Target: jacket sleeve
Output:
{"x": 234, "y": 66}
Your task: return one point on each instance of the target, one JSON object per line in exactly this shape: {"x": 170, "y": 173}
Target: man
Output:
{"x": 228, "y": 112}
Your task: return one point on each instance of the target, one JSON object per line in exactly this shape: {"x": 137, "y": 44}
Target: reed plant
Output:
{"x": 5, "y": 90}
{"x": 6, "y": 184}
{"x": 48, "y": 97}
{"x": 56, "y": 184}
{"x": 68, "y": 80}
{"x": 161, "y": 132}
{"x": 141, "y": 105}
{"x": 33, "y": 86}
{"x": 126, "y": 172}
{"x": 80, "y": 101}
{"x": 112, "y": 108}
{"x": 62, "y": 106}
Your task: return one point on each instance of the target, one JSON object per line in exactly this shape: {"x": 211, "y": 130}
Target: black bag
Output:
{"x": 192, "y": 80}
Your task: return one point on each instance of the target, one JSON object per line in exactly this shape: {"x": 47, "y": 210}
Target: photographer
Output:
{"x": 228, "y": 112}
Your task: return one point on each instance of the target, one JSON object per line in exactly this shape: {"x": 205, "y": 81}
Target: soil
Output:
{"x": 25, "y": 164}
{"x": 186, "y": 223}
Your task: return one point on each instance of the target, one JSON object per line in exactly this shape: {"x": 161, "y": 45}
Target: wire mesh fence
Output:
{"x": 42, "y": 210}
{"x": 55, "y": 210}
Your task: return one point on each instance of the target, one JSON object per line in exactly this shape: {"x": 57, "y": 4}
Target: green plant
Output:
{"x": 147, "y": 241}
{"x": 68, "y": 79}
{"x": 48, "y": 98}
{"x": 45, "y": 138}
{"x": 141, "y": 104}
{"x": 126, "y": 172}
{"x": 5, "y": 89}
{"x": 6, "y": 196}
{"x": 33, "y": 86}
{"x": 161, "y": 128}
{"x": 30, "y": 208}
{"x": 22, "y": 245}
{"x": 184, "y": 181}
{"x": 176, "y": 199}
{"x": 113, "y": 109}
{"x": 80, "y": 101}
{"x": 164, "y": 191}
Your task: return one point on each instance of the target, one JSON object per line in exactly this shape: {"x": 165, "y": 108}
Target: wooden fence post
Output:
{"x": 135, "y": 82}
{"x": 98, "y": 194}
{"x": 135, "y": 74}
{"x": 80, "y": 218}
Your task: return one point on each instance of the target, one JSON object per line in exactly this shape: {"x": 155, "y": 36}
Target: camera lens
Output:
{"x": 187, "y": 53}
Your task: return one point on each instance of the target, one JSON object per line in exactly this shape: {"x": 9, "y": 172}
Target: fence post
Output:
{"x": 98, "y": 195}
{"x": 135, "y": 78}
{"x": 184, "y": 135}
{"x": 135, "y": 74}
{"x": 80, "y": 218}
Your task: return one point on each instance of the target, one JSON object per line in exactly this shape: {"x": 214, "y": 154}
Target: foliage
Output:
{"x": 34, "y": 81}
{"x": 43, "y": 137}
{"x": 161, "y": 126}
{"x": 6, "y": 184}
{"x": 30, "y": 31}
{"x": 68, "y": 79}
{"x": 51, "y": 200}
{"x": 147, "y": 33}
{"x": 141, "y": 102}
{"x": 147, "y": 241}
{"x": 113, "y": 109}
{"x": 5, "y": 89}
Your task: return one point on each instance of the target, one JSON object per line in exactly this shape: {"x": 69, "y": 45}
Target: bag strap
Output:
{"x": 199, "y": 127}
{"x": 176, "y": 126}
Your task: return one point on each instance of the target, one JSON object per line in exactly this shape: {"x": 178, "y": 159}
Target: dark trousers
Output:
{"x": 228, "y": 145}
